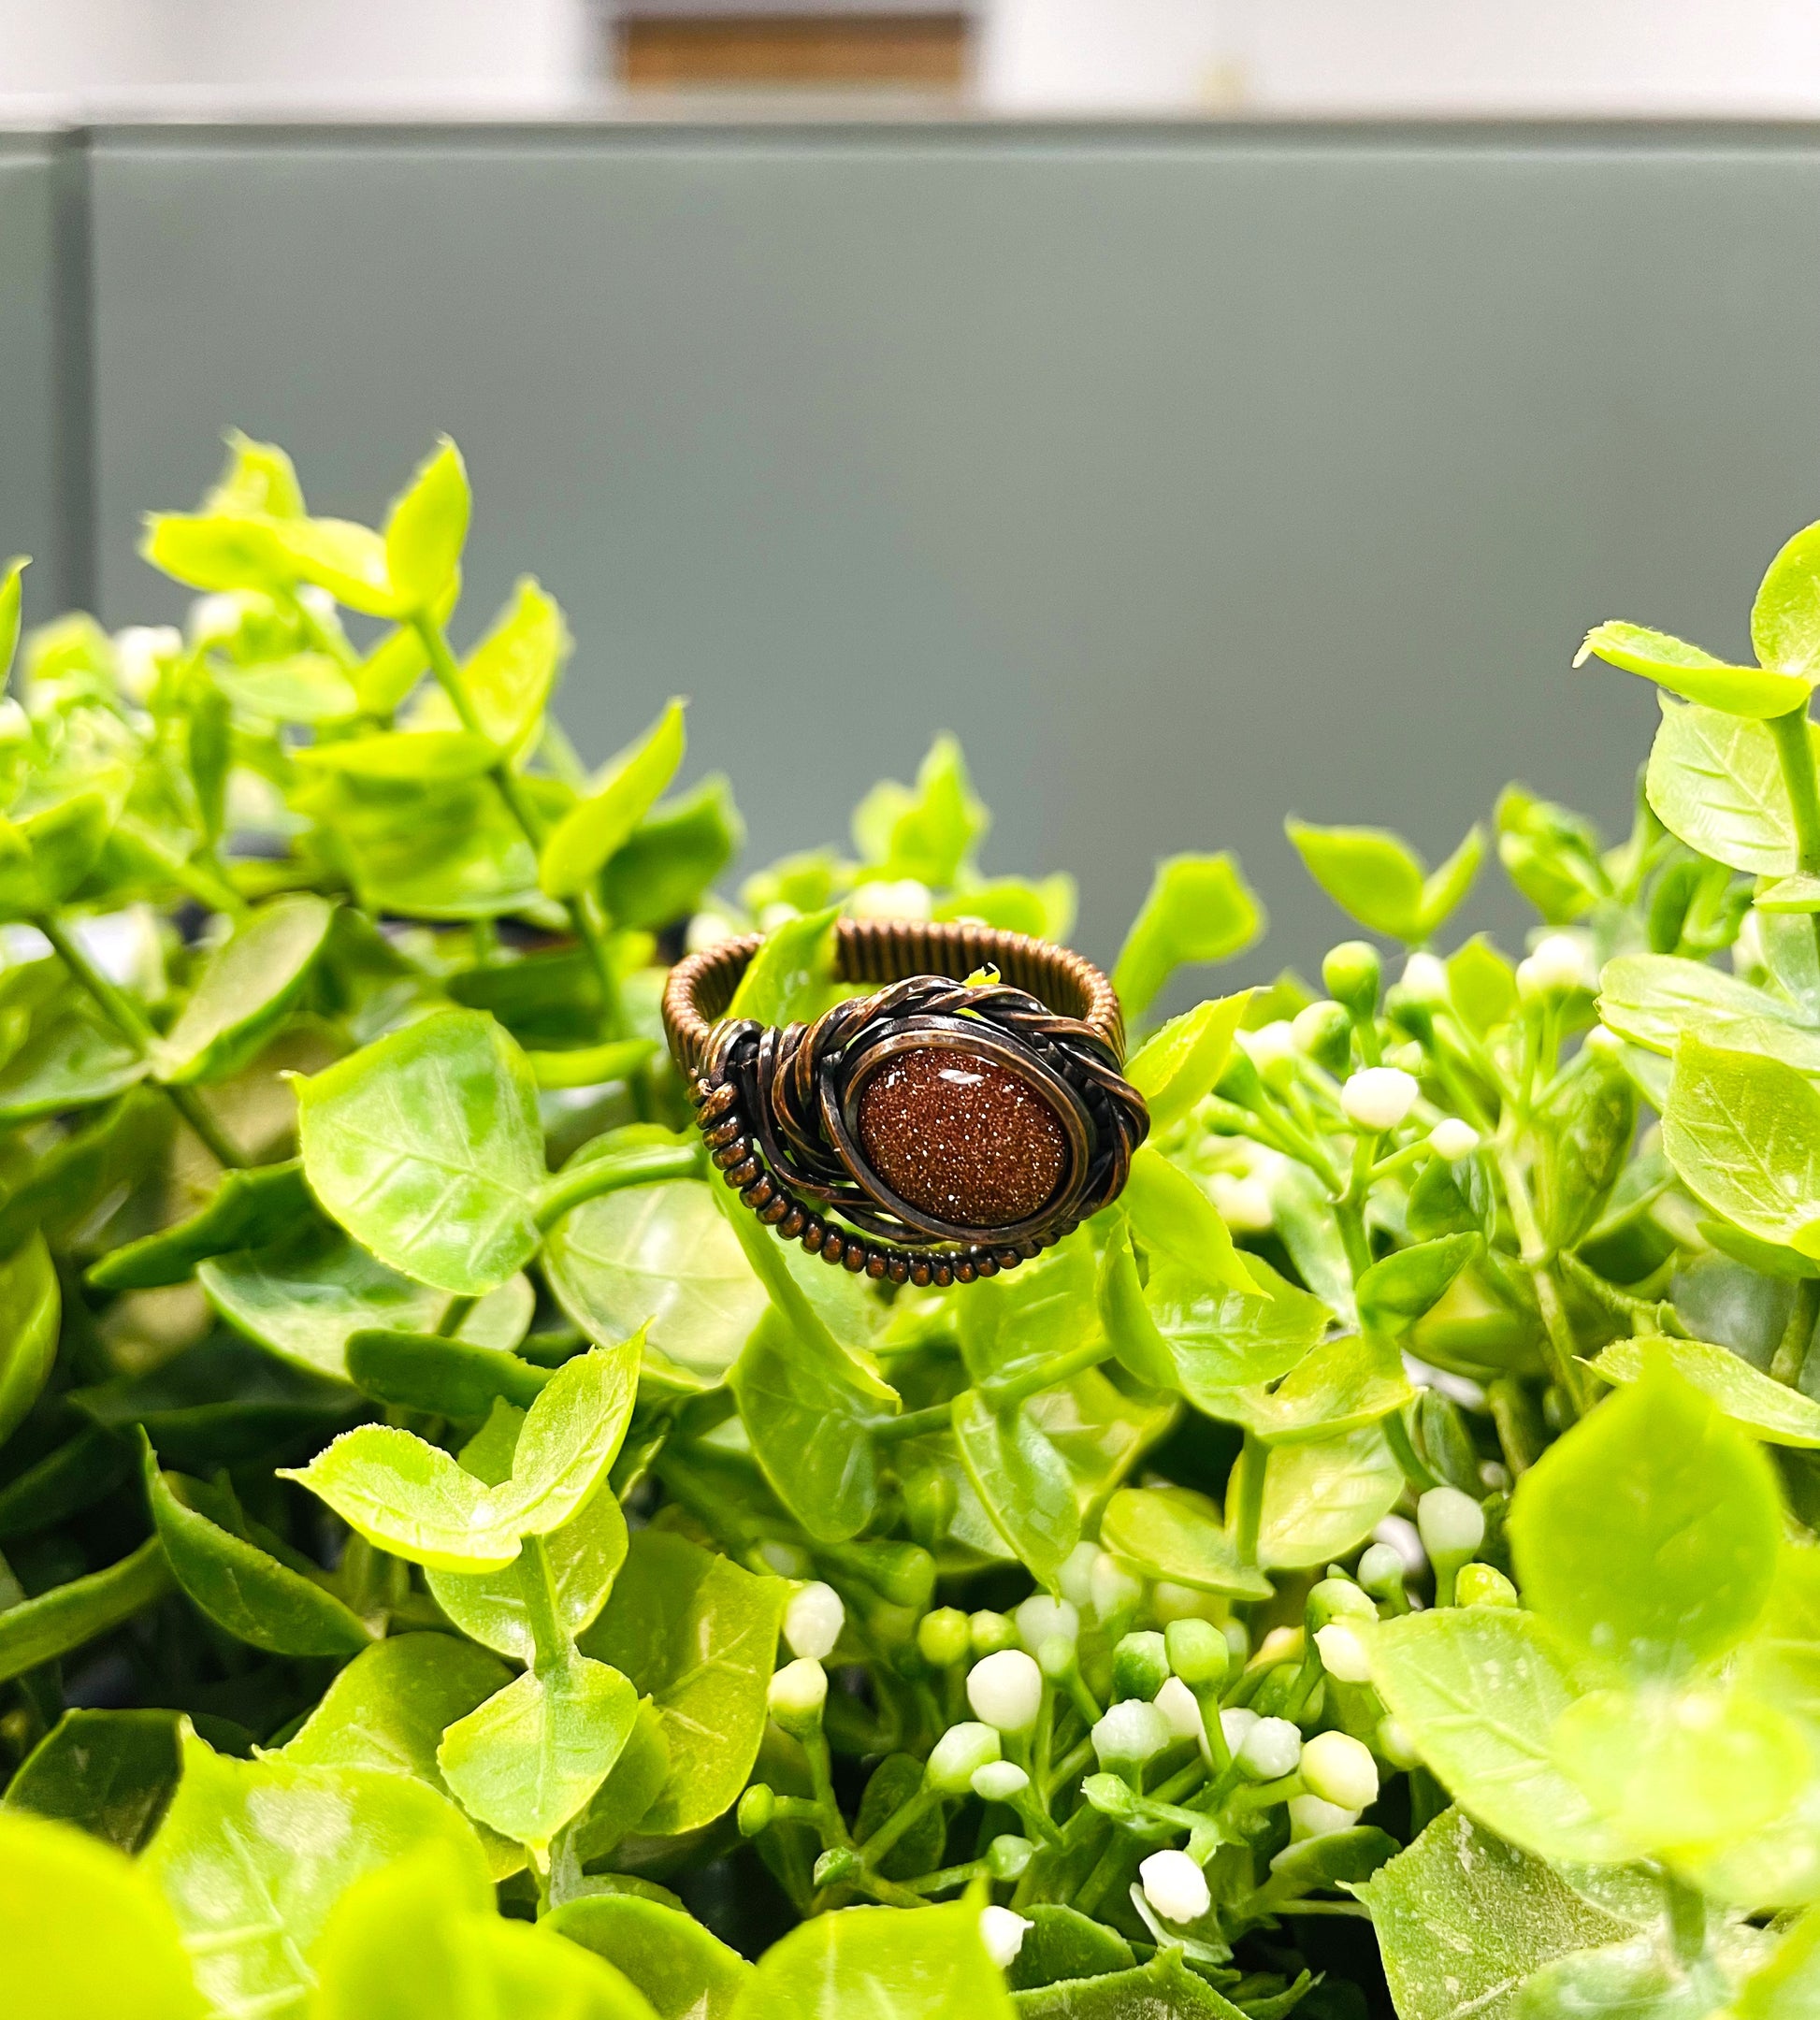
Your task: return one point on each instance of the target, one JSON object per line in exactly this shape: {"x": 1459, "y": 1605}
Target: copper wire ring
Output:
{"x": 787, "y": 1113}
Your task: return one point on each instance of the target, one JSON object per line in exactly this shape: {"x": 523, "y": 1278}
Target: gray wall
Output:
{"x": 1192, "y": 474}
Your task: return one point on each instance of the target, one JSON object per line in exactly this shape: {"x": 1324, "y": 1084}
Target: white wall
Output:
{"x": 1544, "y": 56}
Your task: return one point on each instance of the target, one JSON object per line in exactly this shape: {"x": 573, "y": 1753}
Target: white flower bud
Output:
{"x": 1377, "y": 1097}
{"x": 1310, "y": 1817}
{"x": 1451, "y": 1524}
{"x": 1055, "y": 1658}
{"x": 812, "y": 1621}
{"x": 786, "y": 1559}
{"x": 1002, "y": 1933}
{"x": 1424, "y": 978}
{"x": 1075, "y": 1577}
{"x": 1343, "y": 1652}
{"x": 1747, "y": 949}
{"x": 1235, "y": 1725}
{"x": 1281, "y": 1644}
{"x": 706, "y": 929}
{"x": 1244, "y": 1203}
{"x": 1114, "y": 1588}
{"x": 1176, "y": 1701}
{"x": 798, "y": 1692}
{"x": 1397, "y": 1744}
{"x": 776, "y": 913}
{"x": 215, "y": 618}
{"x": 902, "y": 897}
{"x": 1452, "y": 1139}
{"x": 1558, "y": 962}
{"x": 958, "y": 1755}
{"x": 1174, "y": 1886}
{"x": 1270, "y": 1045}
{"x": 1173, "y": 1602}
{"x": 1006, "y": 1689}
{"x": 1400, "y": 1533}
{"x": 1271, "y": 1749}
{"x": 999, "y": 1780}
{"x": 1607, "y": 1044}
{"x": 137, "y": 652}
{"x": 1040, "y": 1617}
{"x": 1130, "y": 1733}
{"x": 1339, "y": 1770}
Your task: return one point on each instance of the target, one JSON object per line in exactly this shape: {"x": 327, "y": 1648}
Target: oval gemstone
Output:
{"x": 960, "y": 1139}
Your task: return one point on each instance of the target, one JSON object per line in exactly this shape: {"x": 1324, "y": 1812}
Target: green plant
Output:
{"x": 411, "y": 1464}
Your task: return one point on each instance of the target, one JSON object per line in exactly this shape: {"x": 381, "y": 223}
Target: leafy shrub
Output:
{"x": 1393, "y": 1516}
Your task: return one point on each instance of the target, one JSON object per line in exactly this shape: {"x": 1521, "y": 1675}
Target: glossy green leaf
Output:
{"x": 1483, "y": 986}
{"x": 31, "y": 1310}
{"x": 1463, "y": 1918}
{"x": 808, "y": 1414}
{"x": 591, "y": 1065}
{"x": 1481, "y": 1690}
{"x": 1132, "y": 1331}
{"x": 623, "y": 1801}
{"x": 1341, "y": 1385}
{"x": 246, "y": 990}
{"x": 1223, "y": 1339}
{"x": 1450, "y": 1199}
{"x": 627, "y": 788}
{"x": 1172, "y": 1216}
{"x": 1045, "y": 908}
{"x": 1322, "y": 1496}
{"x": 446, "y": 1378}
{"x": 1695, "y": 675}
{"x": 509, "y": 675}
{"x": 40, "y": 1629}
{"x": 698, "y": 1636}
{"x": 70, "y": 1061}
{"x": 1011, "y": 1323}
{"x": 389, "y": 1708}
{"x": 1176, "y": 1068}
{"x": 788, "y": 978}
{"x": 414, "y": 1500}
{"x": 528, "y": 1759}
{"x": 927, "y": 832}
{"x": 11, "y": 597}
{"x": 85, "y": 1934}
{"x": 881, "y": 1963}
{"x": 248, "y": 1209}
{"x": 1652, "y": 999}
{"x": 241, "y": 1586}
{"x": 1165, "y": 1987}
{"x": 662, "y": 1252}
{"x": 252, "y": 1856}
{"x": 1787, "y": 1987}
{"x": 110, "y": 1773}
{"x": 1676, "y": 1569}
{"x": 1743, "y": 1132}
{"x": 1199, "y": 908}
{"x": 1777, "y": 1414}
{"x": 1367, "y": 872}
{"x": 1399, "y": 1287}
{"x": 307, "y": 688}
{"x": 426, "y": 756}
{"x": 1022, "y": 1481}
{"x": 427, "y": 1147}
{"x": 336, "y": 555}
{"x": 1173, "y": 1533}
{"x": 426, "y": 528}
{"x": 1716, "y": 784}
{"x": 1674, "y": 1774}
{"x": 1062, "y": 1943}
{"x": 685, "y": 1973}
{"x": 664, "y": 868}
{"x": 215, "y": 550}
{"x": 1786, "y": 616}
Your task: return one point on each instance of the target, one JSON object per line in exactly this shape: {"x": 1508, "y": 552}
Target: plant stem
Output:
{"x": 587, "y": 928}
{"x": 1795, "y": 754}
{"x": 651, "y": 1165}
{"x": 914, "y": 1424}
{"x": 1057, "y": 1368}
{"x": 1792, "y": 1348}
{"x": 553, "y": 1647}
{"x": 1248, "y": 1519}
{"x": 1562, "y": 1346}
{"x": 1396, "y": 1435}
{"x": 128, "y": 1018}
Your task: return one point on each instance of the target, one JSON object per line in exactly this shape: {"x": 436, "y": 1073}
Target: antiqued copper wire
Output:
{"x": 777, "y": 1107}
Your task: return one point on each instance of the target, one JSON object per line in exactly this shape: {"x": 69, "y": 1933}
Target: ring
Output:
{"x": 957, "y": 1126}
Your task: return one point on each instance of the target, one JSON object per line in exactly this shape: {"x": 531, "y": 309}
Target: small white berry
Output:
{"x": 1173, "y": 1602}
{"x": 1397, "y": 1744}
{"x": 1270, "y": 1044}
{"x": 902, "y": 897}
{"x": 1244, "y": 1203}
{"x": 1174, "y": 1886}
{"x": 1114, "y": 1588}
{"x": 1339, "y": 1770}
{"x": 812, "y": 1621}
{"x": 1003, "y": 1932}
{"x": 1310, "y": 1817}
{"x": 1343, "y": 1652}
{"x": 958, "y": 1755}
{"x": 1452, "y": 1139}
{"x": 1176, "y": 1701}
{"x": 1558, "y": 962}
{"x": 1451, "y": 1524}
{"x": 1236, "y": 1725}
{"x": 999, "y": 1780}
{"x": 1402, "y": 1536}
{"x": 1006, "y": 1689}
{"x": 706, "y": 929}
{"x": 1130, "y": 1733}
{"x": 1379, "y": 1097}
{"x": 1075, "y": 1577}
{"x": 1271, "y": 1749}
{"x": 1040, "y": 1618}
{"x": 798, "y": 1691}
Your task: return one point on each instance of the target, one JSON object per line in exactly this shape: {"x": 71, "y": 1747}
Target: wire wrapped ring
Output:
{"x": 956, "y": 1126}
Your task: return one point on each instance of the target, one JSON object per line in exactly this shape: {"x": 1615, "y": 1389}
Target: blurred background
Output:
{"x": 1207, "y": 409}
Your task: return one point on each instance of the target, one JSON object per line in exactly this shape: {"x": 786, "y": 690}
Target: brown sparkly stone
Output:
{"x": 960, "y": 1139}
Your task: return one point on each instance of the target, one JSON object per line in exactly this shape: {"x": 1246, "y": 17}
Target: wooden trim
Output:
{"x": 921, "y": 52}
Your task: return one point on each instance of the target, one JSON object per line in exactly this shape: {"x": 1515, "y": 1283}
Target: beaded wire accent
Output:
{"x": 784, "y": 1117}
